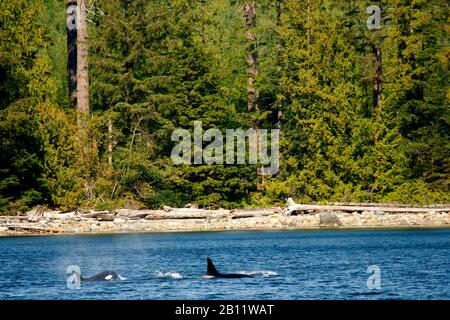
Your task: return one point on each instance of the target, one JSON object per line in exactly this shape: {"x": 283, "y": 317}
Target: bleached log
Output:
{"x": 31, "y": 228}
{"x": 89, "y": 215}
{"x": 387, "y": 205}
{"x": 14, "y": 218}
{"x": 136, "y": 214}
{"x": 186, "y": 215}
{"x": 36, "y": 214}
{"x": 253, "y": 213}
{"x": 195, "y": 210}
{"x": 58, "y": 215}
{"x": 293, "y": 207}
{"x": 193, "y": 213}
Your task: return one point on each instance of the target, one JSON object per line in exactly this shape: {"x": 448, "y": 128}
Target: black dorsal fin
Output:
{"x": 211, "y": 268}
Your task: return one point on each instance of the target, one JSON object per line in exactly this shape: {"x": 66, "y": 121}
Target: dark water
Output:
{"x": 414, "y": 264}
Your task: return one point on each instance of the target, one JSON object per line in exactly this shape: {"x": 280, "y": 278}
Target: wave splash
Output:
{"x": 260, "y": 273}
{"x": 167, "y": 275}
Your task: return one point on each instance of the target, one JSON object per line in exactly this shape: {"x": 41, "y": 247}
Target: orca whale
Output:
{"x": 104, "y": 276}
{"x": 213, "y": 273}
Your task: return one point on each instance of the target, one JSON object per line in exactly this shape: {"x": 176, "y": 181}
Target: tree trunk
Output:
{"x": 377, "y": 76}
{"x": 249, "y": 14}
{"x": 72, "y": 50}
{"x": 249, "y": 11}
{"x": 279, "y": 62}
{"x": 110, "y": 141}
{"x": 86, "y": 147}
{"x": 82, "y": 60}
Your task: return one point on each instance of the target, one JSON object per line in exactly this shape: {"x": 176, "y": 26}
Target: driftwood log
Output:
{"x": 36, "y": 214}
{"x": 254, "y": 213}
{"x": 387, "y": 205}
{"x": 293, "y": 208}
{"x": 14, "y": 218}
{"x": 181, "y": 215}
{"x": 187, "y": 213}
{"x": 59, "y": 215}
{"x": 136, "y": 214}
{"x": 194, "y": 213}
{"x": 31, "y": 228}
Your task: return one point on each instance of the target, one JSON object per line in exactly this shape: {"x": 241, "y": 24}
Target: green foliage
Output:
{"x": 155, "y": 69}
{"x": 417, "y": 192}
{"x": 20, "y": 150}
{"x": 165, "y": 198}
{"x": 35, "y": 136}
{"x": 338, "y": 146}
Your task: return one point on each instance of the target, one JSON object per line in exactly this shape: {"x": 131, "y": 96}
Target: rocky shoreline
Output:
{"x": 184, "y": 220}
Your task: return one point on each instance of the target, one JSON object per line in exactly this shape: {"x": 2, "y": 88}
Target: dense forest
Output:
{"x": 364, "y": 114}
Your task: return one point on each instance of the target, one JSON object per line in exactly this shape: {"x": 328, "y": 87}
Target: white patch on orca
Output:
{"x": 170, "y": 275}
{"x": 108, "y": 277}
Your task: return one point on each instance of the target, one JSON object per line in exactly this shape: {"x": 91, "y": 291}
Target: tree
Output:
{"x": 249, "y": 13}
{"x": 71, "y": 23}
{"x": 35, "y": 148}
{"x": 416, "y": 92}
{"x": 82, "y": 59}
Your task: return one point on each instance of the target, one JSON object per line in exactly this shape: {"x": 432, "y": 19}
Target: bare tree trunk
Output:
{"x": 86, "y": 147}
{"x": 249, "y": 15}
{"x": 377, "y": 76}
{"x": 72, "y": 50}
{"x": 279, "y": 50}
{"x": 82, "y": 60}
{"x": 83, "y": 82}
{"x": 249, "y": 11}
{"x": 110, "y": 142}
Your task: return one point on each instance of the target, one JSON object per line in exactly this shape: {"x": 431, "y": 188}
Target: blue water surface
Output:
{"x": 322, "y": 264}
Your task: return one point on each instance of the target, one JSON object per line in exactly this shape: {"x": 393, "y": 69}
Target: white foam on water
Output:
{"x": 170, "y": 275}
{"x": 122, "y": 278}
{"x": 260, "y": 273}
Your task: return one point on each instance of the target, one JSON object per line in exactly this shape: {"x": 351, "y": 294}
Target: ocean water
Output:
{"x": 412, "y": 264}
